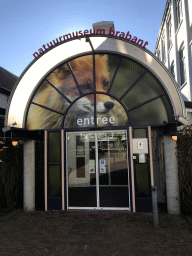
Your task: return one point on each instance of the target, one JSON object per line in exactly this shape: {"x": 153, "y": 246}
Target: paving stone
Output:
{"x": 89, "y": 233}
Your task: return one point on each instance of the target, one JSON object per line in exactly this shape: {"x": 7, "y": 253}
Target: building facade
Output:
{"x": 94, "y": 111}
{"x": 7, "y": 81}
{"x": 174, "y": 46}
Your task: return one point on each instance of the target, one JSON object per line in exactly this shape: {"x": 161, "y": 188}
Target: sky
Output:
{"x": 28, "y": 24}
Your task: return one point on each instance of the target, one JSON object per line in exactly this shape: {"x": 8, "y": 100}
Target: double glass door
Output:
{"x": 97, "y": 170}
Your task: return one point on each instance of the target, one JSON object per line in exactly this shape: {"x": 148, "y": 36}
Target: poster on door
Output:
{"x": 102, "y": 169}
{"x": 91, "y": 162}
{"x": 102, "y": 162}
{"x": 91, "y": 166}
{"x": 91, "y": 169}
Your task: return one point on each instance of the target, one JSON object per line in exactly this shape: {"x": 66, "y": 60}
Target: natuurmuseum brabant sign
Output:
{"x": 90, "y": 32}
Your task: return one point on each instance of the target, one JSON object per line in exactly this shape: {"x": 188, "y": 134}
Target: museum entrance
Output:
{"x": 97, "y": 170}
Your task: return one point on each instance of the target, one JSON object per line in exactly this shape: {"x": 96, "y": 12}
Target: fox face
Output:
{"x": 65, "y": 85}
{"x": 83, "y": 73}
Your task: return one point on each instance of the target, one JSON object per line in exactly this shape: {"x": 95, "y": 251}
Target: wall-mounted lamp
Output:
{"x": 14, "y": 143}
{"x": 174, "y": 138}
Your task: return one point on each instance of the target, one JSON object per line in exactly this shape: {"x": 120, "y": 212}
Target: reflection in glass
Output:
{"x": 41, "y": 118}
{"x": 54, "y": 181}
{"x": 146, "y": 89}
{"x": 142, "y": 180}
{"x": 139, "y": 133}
{"x": 102, "y": 159}
{"x": 113, "y": 172}
{"x": 127, "y": 74}
{"x": 81, "y": 169}
{"x": 112, "y": 153}
{"x": 154, "y": 112}
{"x": 54, "y": 147}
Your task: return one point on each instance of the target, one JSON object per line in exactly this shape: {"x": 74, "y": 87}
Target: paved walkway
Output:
{"x": 88, "y": 233}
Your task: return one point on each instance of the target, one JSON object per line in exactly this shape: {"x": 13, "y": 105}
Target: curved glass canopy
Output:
{"x": 99, "y": 90}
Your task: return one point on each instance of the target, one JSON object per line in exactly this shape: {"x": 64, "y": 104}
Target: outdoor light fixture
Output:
{"x": 174, "y": 138}
{"x": 14, "y": 143}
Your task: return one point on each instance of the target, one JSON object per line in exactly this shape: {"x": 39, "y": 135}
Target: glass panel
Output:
{"x": 146, "y": 89}
{"x": 112, "y": 156}
{"x": 140, "y": 133}
{"x": 114, "y": 197}
{"x": 47, "y": 96}
{"x": 54, "y": 179}
{"x": 81, "y": 170}
{"x": 81, "y": 113}
{"x": 109, "y": 111}
{"x": 142, "y": 180}
{"x": 62, "y": 79}
{"x": 127, "y": 74}
{"x": 41, "y": 118}
{"x": 80, "y": 157}
{"x": 54, "y": 147}
{"x": 83, "y": 71}
{"x": 154, "y": 112}
{"x": 105, "y": 66}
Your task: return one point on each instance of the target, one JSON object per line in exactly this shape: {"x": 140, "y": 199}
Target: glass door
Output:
{"x": 97, "y": 170}
{"x": 113, "y": 169}
{"x": 81, "y": 169}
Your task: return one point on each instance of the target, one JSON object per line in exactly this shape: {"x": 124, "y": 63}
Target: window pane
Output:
{"x": 182, "y": 66}
{"x": 105, "y": 66}
{"x": 142, "y": 180}
{"x": 62, "y": 79}
{"x": 54, "y": 147}
{"x": 47, "y": 96}
{"x": 81, "y": 113}
{"x": 82, "y": 68}
{"x": 80, "y": 163}
{"x": 154, "y": 112}
{"x": 110, "y": 112}
{"x": 41, "y": 118}
{"x": 54, "y": 181}
{"x": 140, "y": 133}
{"x": 127, "y": 74}
{"x": 173, "y": 68}
{"x": 146, "y": 89}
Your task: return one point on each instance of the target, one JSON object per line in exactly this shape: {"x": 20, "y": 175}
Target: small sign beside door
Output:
{"x": 91, "y": 162}
{"x": 102, "y": 162}
{"x": 91, "y": 169}
{"x": 91, "y": 166}
{"x": 142, "y": 158}
{"x": 102, "y": 169}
